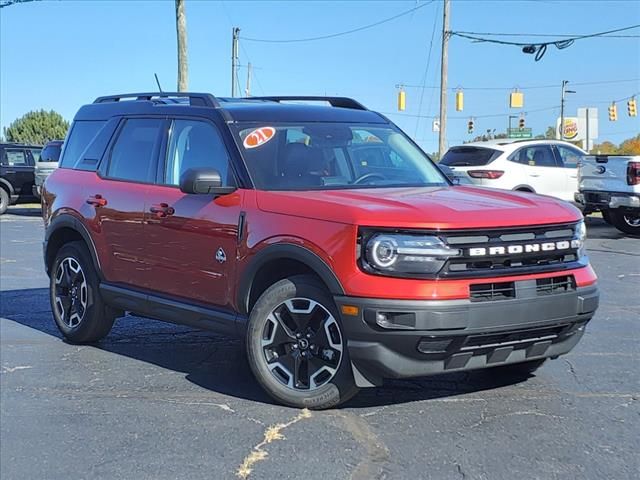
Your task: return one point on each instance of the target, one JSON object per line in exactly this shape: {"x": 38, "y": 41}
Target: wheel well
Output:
{"x": 524, "y": 189}
{"x": 274, "y": 271}
{"x": 57, "y": 240}
{"x": 5, "y": 188}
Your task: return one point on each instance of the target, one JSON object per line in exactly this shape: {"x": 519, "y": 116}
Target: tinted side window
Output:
{"x": 15, "y": 157}
{"x": 135, "y": 150}
{"x": 81, "y": 135}
{"x": 51, "y": 153}
{"x": 569, "y": 156}
{"x": 35, "y": 154}
{"x": 195, "y": 144}
{"x": 535, "y": 156}
{"x": 469, "y": 156}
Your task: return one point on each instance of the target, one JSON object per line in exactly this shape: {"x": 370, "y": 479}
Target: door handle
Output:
{"x": 534, "y": 174}
{"x": 97, "y": 200}
{"x": 162, "y": 210}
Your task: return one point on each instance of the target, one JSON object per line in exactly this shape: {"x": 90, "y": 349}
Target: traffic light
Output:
{"x": 402, "y": 100}
{"x": 470, "y": 126}
{"x": 516, "y": 99}
{"x": 613, "y": 112}
{"x": 521, "y": 123}
{"x": 632, "y": 107}
{"x": 459, "y": 101}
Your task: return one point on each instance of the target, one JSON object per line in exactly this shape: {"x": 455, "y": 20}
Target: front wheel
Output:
{"x": 296, "y": 347}
{"x": 4, "y": 200}
{"x": 77, "y": 306}
{"x": 626, "y": 221}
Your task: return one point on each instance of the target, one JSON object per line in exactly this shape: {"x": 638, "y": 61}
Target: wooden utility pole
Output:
{"x": 444, "y": 62}
{"x": 181, "y": 30}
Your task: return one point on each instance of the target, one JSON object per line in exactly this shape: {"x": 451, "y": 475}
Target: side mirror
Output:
{"x": 205, "y": 181}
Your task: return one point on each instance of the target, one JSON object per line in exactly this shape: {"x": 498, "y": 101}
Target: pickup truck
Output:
{"x": 611, "y": 184}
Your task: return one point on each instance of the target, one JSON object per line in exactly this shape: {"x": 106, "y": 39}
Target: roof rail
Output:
{"x": 342, "y": 102}
{"x": 195, "y": 99}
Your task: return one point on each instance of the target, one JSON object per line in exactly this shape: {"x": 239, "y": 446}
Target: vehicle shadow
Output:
{"x": 25, "y": 210}
{"x": 218, "y": 363}
{"x": 598, "y": 229}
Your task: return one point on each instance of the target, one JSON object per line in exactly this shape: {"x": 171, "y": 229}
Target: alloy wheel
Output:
{"x": 632, "y": 220}
{"x": 302, "y": 344}
{"x": 71, "y": 294}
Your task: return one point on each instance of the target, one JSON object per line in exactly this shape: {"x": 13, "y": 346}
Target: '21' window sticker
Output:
{"x": 259, "y": 137}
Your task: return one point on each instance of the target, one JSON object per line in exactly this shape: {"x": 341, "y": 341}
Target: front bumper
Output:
{"x": 427, "y": 337}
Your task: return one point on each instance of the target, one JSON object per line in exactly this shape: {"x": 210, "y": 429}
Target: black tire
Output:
{"x": 625, "y": 221}
{"x": 78, "y": 308}
{"x": 606, "y": 216}
{"x": 276, "y": 342}
{"x": 4, "y": 200}
{"x": 521, "y": 369}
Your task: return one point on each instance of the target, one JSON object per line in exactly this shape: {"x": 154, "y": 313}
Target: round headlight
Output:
{"x": 384, "y": 251}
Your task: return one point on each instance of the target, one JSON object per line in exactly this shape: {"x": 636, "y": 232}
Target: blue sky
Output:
{"x": 61, "y": 54}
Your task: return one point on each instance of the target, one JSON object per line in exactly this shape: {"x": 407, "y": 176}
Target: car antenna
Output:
{"x": 158, "y": 82}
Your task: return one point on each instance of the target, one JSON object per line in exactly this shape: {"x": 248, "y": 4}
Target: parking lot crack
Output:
{"x": 271, "y": 434}
{"x": 372, "y": 466}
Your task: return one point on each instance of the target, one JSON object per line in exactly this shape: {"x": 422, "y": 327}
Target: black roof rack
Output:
{"x": 343, "y": 102}
{"x": 195, "y": 99}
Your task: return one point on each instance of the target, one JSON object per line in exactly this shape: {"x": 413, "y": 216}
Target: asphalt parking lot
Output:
{"x": 158, "y": 401}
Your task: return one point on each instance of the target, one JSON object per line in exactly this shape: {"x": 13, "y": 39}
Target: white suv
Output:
{"x": 548, "y": 167}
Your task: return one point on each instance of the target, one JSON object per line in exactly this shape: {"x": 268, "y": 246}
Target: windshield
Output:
{"x": 322, "y": 156}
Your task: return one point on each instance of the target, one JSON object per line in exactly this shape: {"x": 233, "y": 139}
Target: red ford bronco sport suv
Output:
{"x": 317, "y": 231}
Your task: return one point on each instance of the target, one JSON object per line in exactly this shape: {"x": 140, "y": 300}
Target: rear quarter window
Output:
{"x": 83, "y": 135}
{"x": 469, "y": 156}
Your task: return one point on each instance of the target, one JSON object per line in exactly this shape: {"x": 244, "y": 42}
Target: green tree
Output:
{"x": 631, "y": 146}
{"x": 37, "y": 127}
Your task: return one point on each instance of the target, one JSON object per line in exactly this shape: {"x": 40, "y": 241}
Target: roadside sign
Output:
{"x": 519, "y": 133}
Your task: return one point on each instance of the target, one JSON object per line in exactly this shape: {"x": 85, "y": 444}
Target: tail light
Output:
{"x": 490, "y": 174}
{"x": 633, "y": 173}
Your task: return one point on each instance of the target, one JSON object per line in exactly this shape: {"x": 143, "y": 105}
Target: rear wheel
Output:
{"x": 4, "y": 200}
{"x": 625, "y": 221}
{"x": 296, "y": 346}
{"x": 77, "y": 306}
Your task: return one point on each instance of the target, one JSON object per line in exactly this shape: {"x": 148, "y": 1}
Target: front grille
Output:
{"x": 475, "y": 342}
{"x": 554, "y": 285}
{"x": 514, "y": 251}
{"x": 488, "y": 292}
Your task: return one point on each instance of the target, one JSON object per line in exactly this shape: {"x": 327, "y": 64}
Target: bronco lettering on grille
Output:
{"x": 525, "y": 248}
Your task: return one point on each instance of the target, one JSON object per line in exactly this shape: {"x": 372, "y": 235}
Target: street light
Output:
{"x": 564, "y": 91}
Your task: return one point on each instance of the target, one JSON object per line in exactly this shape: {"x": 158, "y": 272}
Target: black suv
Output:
{"x": 17, "y": 167}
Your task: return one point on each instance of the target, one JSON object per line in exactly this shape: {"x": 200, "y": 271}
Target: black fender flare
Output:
{"x": 69, "y": 221}
{"x": 7, "y": 186}
{"x": 285, "y": 251}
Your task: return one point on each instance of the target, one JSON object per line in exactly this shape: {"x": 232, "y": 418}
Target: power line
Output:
{"x": 333, "y": 35}
{"x": 540, "y": 48}
{"x": 495, "y": 34}
{"x": 561, "y": 42}
{"x": 426, "y": 68}
{"x": 459, "y": 117}
{"x": 530, "y": 87}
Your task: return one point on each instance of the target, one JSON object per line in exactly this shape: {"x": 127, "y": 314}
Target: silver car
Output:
{"x": 46, "y": 164}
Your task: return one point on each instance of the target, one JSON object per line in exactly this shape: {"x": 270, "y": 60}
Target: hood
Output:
{"x": 430, "y": 208}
